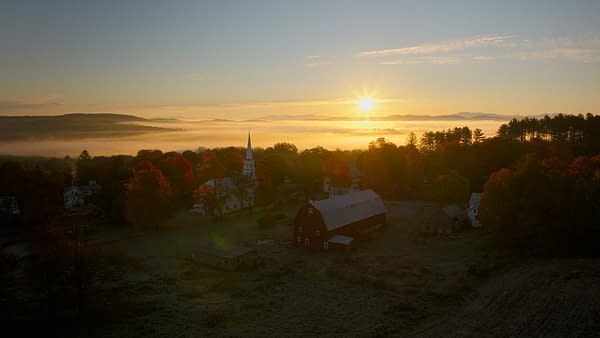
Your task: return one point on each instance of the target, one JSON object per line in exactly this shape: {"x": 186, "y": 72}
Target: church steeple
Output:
{"x": 249, "y": 161}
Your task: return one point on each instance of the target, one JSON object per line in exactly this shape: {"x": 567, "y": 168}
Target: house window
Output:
{"x": 325, "y": 245}
{"x": 317, "y": 233}
{"x": 299, "y": 239}
{"x": 299, "y": 230}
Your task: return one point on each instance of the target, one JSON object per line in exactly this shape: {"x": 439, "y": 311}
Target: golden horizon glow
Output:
{"x": 365, "y": 104}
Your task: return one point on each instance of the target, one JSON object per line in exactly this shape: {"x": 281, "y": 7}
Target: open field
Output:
{"x": 398, "y": 283}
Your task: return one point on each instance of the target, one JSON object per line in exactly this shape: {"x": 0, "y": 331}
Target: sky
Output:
{"x": 248, "y": 59}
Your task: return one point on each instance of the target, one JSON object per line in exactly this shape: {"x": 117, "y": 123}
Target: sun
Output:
{"x": 365, "y": 104}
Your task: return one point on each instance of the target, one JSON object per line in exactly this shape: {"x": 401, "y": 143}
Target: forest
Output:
{"x": 540, "y": 181}
{"x": 527, "y": 167}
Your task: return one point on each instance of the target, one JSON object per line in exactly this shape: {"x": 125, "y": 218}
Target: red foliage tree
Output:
{"x": 211, "y": 167}
{"x": 338, "y": 170}
{"x": 179, "y": 172}
{"x": 147, "y": 197}
{"x": 498, "y": 205}
{"x": 232, "y": 160}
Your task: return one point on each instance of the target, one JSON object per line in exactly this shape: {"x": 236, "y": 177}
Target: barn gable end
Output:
{"x": 336, "y": 221}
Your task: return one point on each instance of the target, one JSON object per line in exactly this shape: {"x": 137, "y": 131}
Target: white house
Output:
{"x": 473, "y": 209}
{"x": 228, "y": 193}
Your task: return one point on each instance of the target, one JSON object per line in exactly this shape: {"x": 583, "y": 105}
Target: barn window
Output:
{"x": 325, "y": 245}
{"x": 299, "y": 230}
{"x": 317, "y": 233}
{"x": 299, "y": 239}
{"x": 310, "y": 211}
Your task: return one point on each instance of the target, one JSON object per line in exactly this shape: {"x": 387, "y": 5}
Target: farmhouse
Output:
{"x": 81, "y": 218}
{"x": 75, "y": 195}
{"x": 337, "y": 222}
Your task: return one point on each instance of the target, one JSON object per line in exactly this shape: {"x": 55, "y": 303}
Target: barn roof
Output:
{"x": 347, "y": 209}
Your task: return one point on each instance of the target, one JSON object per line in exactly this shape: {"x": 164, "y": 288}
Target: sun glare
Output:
{"x": 365, "y": 104}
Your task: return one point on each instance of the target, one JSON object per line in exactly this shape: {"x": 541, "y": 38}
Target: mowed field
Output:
{"x": 398, "y": 283}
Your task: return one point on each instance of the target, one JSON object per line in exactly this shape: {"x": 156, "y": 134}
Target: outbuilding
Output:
{"x": 225, "y": 258}
{"x": 445, "y": 220}
{"x": 336, "y": 223}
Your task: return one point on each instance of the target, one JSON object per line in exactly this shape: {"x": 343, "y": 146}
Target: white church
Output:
{"x": 227, "y": 188}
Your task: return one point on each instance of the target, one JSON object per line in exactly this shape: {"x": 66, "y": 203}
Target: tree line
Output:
{"x": 444, "y": 166}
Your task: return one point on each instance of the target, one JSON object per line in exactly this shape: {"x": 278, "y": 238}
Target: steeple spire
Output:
{"x": 249, "y": 161}
{"x": 249, "y": 148}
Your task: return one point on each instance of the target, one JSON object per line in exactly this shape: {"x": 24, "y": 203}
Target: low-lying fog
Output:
{"x": 194, "y": 134}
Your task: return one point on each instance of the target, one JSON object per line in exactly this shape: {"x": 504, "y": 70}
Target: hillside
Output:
{"x": 72, "y": 126}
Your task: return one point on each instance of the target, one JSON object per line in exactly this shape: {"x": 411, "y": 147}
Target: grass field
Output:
{"x": 399, "y": 282}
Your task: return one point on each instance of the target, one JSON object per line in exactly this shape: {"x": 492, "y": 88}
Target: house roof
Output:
{"x": 341, "y": 239}
{"x": 349, "y": 208}
{"x": 85, "y": 190}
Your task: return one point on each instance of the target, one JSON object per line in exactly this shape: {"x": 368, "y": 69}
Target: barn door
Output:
{"x": 307, "y": 243}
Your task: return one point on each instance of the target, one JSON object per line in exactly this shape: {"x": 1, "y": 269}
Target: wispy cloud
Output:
{"x": 435, "y": 60}
{"x": 443, "y": 47}
{"x": 579, "y": 49}
{"x": 489, "y": 48}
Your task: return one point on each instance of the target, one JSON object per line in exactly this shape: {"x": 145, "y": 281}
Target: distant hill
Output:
{"x": 452, "y": 117}
{"x": 72, "y": 126}
{"x": 446, "y": 117}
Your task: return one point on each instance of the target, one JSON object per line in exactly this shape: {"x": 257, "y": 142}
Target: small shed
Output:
{"x": 340, "y": 242}
{"x": 445, "y": 220}
{"x": 225, "y": 258}
{"x": 338, "y": 221}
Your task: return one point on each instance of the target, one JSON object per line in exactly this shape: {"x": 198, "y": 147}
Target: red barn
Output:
{"x": 336, "y": 222}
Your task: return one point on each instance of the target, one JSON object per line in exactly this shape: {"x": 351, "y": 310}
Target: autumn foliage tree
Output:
{"x": 148, "y": 196}
{"x": 338, "y": 170}
{"x": 211, "y": 166}
{"x": 547, "y": 206}
{"x": 178, "y": 172}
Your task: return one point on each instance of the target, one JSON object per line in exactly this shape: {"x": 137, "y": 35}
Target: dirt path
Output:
{"x": 552, "y": 299}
